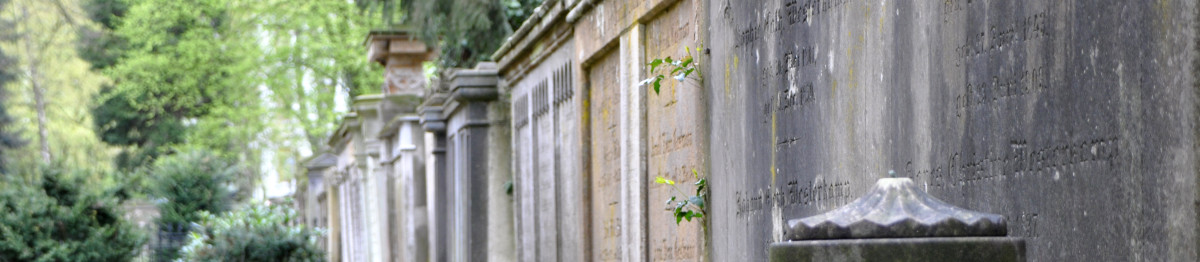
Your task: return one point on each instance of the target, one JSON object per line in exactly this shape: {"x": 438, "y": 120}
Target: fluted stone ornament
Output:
{"x": 897, "y": 221}
{"x": 896, "y": 208}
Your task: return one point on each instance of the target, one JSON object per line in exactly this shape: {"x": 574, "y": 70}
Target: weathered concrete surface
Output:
{"x": 949, "y": 249}
{"x": 676, "y": 132}
{"x": 1077, "y": 121}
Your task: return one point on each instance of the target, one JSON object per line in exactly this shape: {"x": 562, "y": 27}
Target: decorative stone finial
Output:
{"x": 896, "y": 208}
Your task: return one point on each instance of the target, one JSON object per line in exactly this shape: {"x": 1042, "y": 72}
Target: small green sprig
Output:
{"x": 694, "y": 206}
{"x": 680, "y": 69}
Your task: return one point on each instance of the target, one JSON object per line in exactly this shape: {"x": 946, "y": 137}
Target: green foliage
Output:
{"x": 55, "y": 219}
{"x": 186, "y": 77}
{"x": 693, "y": 206}
{"x": 118, "y": 122}
{"x": 9, "y": 139}
{"x": 680, "y": 69}
{"x": 519, "y": 10}
{"x": 466, "y": 31}
{"x": 100, "y": 46}
{"x": 191, "y": 182}
{"x": 314, "y": 49}
{"x": 256, "y": 233}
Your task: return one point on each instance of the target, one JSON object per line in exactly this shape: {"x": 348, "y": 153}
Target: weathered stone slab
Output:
{"x": 676, "y": 131}
{"x": 546, "y": 125}
{"x": 604, "y": 96}
{"x": 1074, "y": 120}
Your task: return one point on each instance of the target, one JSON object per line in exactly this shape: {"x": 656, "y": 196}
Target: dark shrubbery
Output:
{"x": 256, "y": 233}
{"x": 54, "y": 219}
{"x": 189, "y": 182}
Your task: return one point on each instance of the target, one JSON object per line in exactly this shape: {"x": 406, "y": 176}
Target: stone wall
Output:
{"x": 1076, "y": 121}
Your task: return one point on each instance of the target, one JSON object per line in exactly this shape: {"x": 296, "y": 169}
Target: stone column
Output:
{"x": 436, "y": 180}
{"x": 372, "y": 180}
{"x": 402, "y": 56}
{"x": 477, "y": 130}
{"x": 334, "y": 238}
{"x": 317, "y": 167}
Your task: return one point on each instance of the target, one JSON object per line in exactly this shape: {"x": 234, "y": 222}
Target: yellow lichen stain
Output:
{"x": 881, "y": 16}
{"x": 604, "y": 113}
{"x": 726, "y": 79}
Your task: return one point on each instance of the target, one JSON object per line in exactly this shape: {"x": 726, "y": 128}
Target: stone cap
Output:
{"x": 896, "y": 208}
{"x": 431, "y": 113}
{"x": 478, "y": 84}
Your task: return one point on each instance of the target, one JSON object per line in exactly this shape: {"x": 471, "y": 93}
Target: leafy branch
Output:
{"x": 695, "y": 206}
{"x": 680, "y": 69}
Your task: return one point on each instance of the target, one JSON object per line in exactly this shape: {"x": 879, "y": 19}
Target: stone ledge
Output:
{"x": 901, "y": 249}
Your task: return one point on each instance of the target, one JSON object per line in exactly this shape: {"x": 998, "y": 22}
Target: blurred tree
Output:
{"x": 53, "y": 218}
{"x": 9, "y": 139}
{"x": 190, "y": 182}
{"x": 100, "y": 46}
{"x": 314, "y": 50}
{"x": 256, "y": 233}
{"x": 187, "y": 76}
{"x": 53, "y": 89}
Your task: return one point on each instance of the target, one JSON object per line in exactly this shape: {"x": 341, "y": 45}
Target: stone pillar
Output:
{"x": 402, "y": 56}
{"x": 477, "y": 132}
{"x": 371, "y": 181}
{"x": 437, "y": 182}
{"x": 315, "y": 208}
{"x": 333, "y": 241}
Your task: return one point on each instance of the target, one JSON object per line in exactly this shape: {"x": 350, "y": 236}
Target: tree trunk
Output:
{"x": 39, "y": 97}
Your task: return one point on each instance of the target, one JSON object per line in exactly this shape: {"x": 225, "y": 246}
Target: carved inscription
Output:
{"x": 996, "y": 37}
{"x": 793, "y": 13}
{"x": 670, "y": 142}
{"x": 1021, "y": 160}
{"x": 1007, "y": 84}
{"x": 666, "y": 250}
{"x": 793, "y": 193}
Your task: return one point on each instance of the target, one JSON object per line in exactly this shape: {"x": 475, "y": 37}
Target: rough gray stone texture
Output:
{"x": 1076, "y": 120}
{"x": 896, "y": 208}
{"x": 956, "y": 249}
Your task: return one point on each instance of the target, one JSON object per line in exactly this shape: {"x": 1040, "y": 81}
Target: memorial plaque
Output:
{"x": 605, "y": 129}
{"x": 675, "y": 135}
{"x": 1074, "y": 120}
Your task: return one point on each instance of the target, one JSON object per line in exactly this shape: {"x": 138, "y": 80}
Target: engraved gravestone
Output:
{"x": 1074, "y": 120}
{"x": 675, "y": 136}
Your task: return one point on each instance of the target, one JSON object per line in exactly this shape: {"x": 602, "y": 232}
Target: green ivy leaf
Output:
{"x": 672, "y": 199}
{"x": 654, "y": 64}
{"x": 696, "y": 200}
